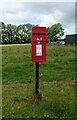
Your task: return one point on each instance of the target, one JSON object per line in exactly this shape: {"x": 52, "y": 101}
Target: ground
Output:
{"x": 56, "y": 81}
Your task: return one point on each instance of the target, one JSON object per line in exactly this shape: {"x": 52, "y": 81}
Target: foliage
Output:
{"x": 3, "y": 32}
{"x": 55, "y": 32}
{"x": 12, "y": 34}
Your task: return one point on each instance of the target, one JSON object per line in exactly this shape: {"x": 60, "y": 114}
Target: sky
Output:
{"x": 44, "y": 13}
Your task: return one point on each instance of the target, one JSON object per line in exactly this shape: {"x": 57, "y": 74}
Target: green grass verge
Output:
{"x": 17, "y": 65}
{"x": 58, "y": 100}
{"x": 57, "y": 85}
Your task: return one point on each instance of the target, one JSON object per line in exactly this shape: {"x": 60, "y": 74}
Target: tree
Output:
{"x": 55, "y": 32}
{"x": 3, "y": 33}
{"x": 24, "y": 32}
{"x": 12, "y": 33}
{"x": 28, "y": 31}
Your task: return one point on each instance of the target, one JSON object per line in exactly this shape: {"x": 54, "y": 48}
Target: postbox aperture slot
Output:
{"x": 39, "y": 34}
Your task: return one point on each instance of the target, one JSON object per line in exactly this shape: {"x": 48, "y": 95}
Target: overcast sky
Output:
{"x": 43, "y": 13}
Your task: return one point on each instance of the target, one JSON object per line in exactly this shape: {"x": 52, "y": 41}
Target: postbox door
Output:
{"x": 38, "y": 51}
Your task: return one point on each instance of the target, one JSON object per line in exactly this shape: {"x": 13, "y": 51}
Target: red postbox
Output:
{"x": 38, "y": 44}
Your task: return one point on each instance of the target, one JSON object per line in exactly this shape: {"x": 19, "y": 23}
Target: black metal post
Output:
{"x": 37, "y": 77}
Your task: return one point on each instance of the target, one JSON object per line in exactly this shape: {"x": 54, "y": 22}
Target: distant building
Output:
{"x": 71, "y": 39}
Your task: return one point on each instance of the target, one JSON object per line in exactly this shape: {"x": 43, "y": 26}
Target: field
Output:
{"x": 56, "y": 79}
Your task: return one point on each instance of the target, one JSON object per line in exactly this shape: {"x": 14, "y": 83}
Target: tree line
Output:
{"x": 13, "y": 34}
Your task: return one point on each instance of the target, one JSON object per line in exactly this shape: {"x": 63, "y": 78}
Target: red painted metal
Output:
{"x": 38, "y": 44}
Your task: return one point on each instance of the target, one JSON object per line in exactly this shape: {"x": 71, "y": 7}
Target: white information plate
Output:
{"x": 39, "y": 50}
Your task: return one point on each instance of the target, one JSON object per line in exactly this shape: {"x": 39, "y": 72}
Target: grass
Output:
{"x": 56, "y": 81}
{"x": 58, "y": 100}
{"x": 17, "y": 65}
